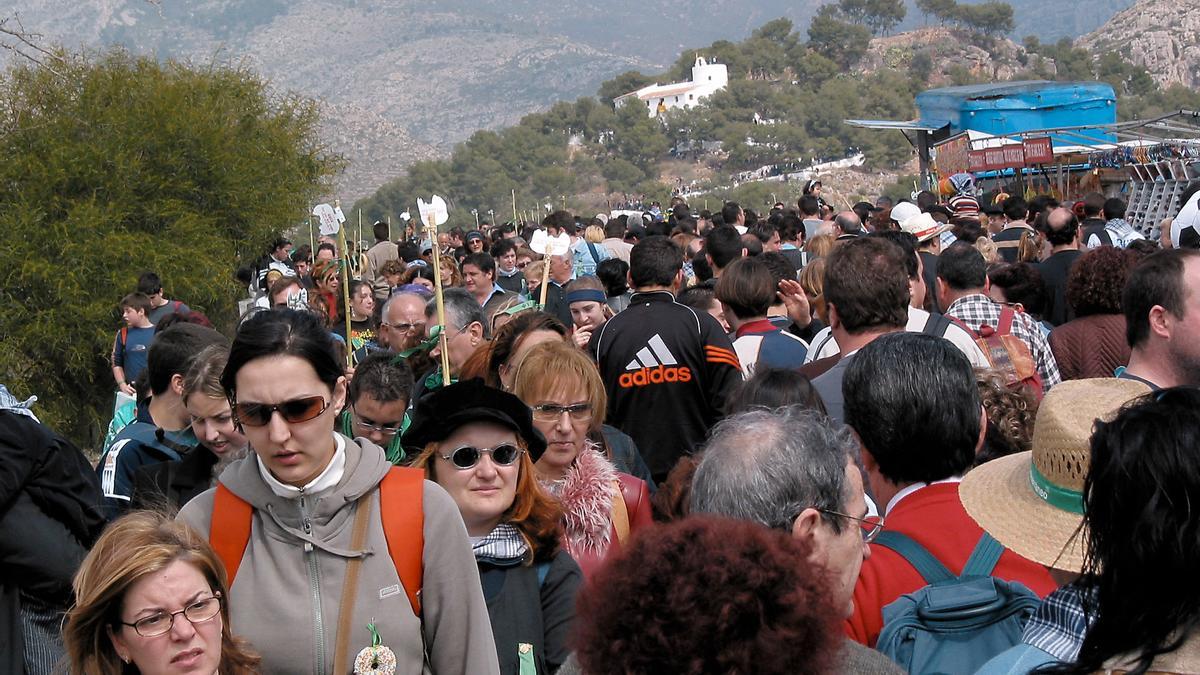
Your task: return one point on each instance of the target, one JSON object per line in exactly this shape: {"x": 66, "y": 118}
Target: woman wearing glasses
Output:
{"x": 480, "y": 444}
{"x": 601, "y": 506}
{"x": 315, "y": 567}
{"x": 150, "y": 598}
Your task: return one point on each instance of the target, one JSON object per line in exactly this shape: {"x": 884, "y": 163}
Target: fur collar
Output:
{"x": 586, "y": 495}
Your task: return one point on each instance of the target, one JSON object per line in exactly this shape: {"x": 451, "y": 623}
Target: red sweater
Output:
{"x": 935, "y": 518}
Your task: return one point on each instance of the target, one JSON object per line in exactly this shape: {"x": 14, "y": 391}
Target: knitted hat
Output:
{"x": 1032, "y": 502}
{"x": 965, "y": 206}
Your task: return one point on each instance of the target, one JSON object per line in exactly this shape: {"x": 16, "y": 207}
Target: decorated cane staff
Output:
{"x": 312, "y": 240}
{"x": 548, "y": 246}
{"x": 433, "y": 214}
{"x": 337, "y": 207}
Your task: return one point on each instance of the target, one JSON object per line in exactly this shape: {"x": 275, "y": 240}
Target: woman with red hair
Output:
{"x": 708, "y": 595}
{"x": 479, "y": 443}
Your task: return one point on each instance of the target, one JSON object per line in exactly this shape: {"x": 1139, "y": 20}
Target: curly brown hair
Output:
{"x": 708, "y": 595}
{"x": 1010, "y": 415}
{"x": 1097, "y": 279}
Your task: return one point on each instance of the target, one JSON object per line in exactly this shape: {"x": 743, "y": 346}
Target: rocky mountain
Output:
{"x": 948, "y": 52}
{"x": 1049, "y": 21}
{"x": 1162, "y": 36}
{"x": 402, "y": 81}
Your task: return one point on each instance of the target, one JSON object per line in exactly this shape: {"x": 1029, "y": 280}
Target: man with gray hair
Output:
{"x": 466, "y": 327}
{"x": 402, "y": 324}
{"x": 794, "y": 469}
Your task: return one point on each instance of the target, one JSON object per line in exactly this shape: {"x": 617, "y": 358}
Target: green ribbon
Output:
{"x": 1064, "y": 499}
{"x": 375, "y": 639}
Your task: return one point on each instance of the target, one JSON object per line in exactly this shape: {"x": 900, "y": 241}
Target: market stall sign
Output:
{"x": 1038, "y": 150}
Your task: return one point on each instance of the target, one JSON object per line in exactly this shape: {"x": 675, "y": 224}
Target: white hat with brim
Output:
{"x": 1032, "y": 502}
{"x": 923, "y": 227}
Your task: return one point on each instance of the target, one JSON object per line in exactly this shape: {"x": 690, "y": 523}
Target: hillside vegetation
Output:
{"x": 587, "y": 154}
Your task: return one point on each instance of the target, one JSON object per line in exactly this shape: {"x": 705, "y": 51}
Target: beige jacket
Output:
{"x": 285, "y": 597}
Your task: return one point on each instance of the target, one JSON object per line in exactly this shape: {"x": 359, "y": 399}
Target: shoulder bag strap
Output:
{"x": 922, "y": 560}
{"x": 963, "y": 325}
{"x": 358, "y": 537}
{"x": 984, "y": 558}
{"x": 1005, "y": 322}
{"x": 401, "y": 494}
{"x": 229, "y": 529}
{"x": 592, "y": 250}
{"x": 620, "y": 512}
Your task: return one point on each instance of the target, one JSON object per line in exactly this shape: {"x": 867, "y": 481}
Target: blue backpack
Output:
{"x": 956, "y": 623}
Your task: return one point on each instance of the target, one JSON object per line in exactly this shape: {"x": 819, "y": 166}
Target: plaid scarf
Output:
{"x": 503, "y": 546}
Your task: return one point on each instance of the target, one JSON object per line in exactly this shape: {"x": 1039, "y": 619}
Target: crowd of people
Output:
{"x": 928, "y": 436}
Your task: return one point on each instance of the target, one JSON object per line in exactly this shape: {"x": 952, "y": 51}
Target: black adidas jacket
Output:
{"x": 668, "y": 371}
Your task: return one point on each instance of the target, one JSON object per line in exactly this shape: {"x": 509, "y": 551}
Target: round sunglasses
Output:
{"x": 466, "y": 457}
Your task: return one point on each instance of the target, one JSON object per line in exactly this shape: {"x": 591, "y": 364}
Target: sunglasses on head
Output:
{"x": 467, "y": 456}
{"x": 294, "y": 411}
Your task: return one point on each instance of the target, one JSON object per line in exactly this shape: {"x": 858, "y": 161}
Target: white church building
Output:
{"x": 707, "y": 77}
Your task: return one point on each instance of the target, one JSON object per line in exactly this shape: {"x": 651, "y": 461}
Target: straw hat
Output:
{"x": 923, "y": 227}
{"x": 1032, "y": 502}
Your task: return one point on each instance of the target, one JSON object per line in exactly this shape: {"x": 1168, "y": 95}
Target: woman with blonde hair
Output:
{"x": 602, "y": 506}
{"x": 450, "y": 274}
{"x": 812, "y": 280}
{"x": 151, "y": 597}
{"x": 479, "y": 443}
{"x": 328, "y": 282}
{"x": 594, "y": 234}
{"x": 819, "y": 246}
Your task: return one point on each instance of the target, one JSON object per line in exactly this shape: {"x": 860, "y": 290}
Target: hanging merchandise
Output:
{"x": 1145, "y": 154}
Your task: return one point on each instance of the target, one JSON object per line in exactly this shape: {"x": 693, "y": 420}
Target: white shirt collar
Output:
{"x": 909, "y": 489}
{"x": 327, "y": 478}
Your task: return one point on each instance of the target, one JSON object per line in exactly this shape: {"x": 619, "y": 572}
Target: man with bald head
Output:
{"x": 403, "y": 322}
{"x": 848, "y": 225}
{"x": 1064, "y": 234}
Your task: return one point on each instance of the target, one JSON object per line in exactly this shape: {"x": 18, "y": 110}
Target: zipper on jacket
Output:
{"x": 314, "y": 586}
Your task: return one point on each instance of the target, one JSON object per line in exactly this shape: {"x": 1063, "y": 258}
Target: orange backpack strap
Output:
{"x": 401, "y": 496}
{"x": 229, "y": 531}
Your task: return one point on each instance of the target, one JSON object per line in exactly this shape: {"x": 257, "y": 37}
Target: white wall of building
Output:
{"x": 707, "y": 78}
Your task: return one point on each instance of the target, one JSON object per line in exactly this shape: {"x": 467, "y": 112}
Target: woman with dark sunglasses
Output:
{"x": 317, "y": 563}
{"x": 480, "y": 444}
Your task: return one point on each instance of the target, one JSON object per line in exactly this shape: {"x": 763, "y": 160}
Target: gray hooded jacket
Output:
{"x": 288, "y": 587}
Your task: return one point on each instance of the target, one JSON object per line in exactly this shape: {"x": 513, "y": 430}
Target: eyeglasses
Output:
{"x": 521, "y": 265}
{"x": 294, "y": 411}
{"x": 549, "y": 412}
{"x": 381, "y": 428}
{"x": 158, "y": 624}
{"x": 870, "y": 526}
{"x": 467, "y": 456}
{"x": 406, "y": 327}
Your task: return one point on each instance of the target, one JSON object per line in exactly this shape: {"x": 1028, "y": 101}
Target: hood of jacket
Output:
{"x": 327, "y": 511}
{"x": 586, "y": 493}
